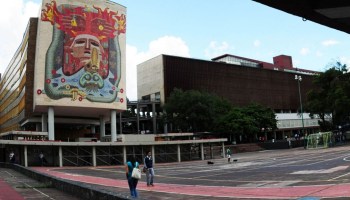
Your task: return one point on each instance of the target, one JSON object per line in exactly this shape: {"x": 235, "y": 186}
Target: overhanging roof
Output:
{"x": 331, "y": 13}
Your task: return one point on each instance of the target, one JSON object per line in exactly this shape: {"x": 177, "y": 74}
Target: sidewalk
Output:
{"x": 16, "y": 186}
{"x": 7, "y": 192}
{"x": 183, "y": 191}
{"x": 285, "y": 174}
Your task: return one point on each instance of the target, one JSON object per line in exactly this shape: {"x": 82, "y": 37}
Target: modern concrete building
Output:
{"x": 52, "y": 91}
{"x": 240, "y": 80}
{"x": 66, "y": 82}
{"x": 68, "y": 70}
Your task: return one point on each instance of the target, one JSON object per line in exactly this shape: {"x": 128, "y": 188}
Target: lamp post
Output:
{"x": 298, "y": 78}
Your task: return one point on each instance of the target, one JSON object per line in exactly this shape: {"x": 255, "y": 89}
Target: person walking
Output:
{"x": 148, "y": 161}
{"x": 228, "y": 153}
{"x": 132, "y": 182}
{"x": 42, "y": 158}
{"x": 305, "y": 141}
{"x": 12, "y": 157}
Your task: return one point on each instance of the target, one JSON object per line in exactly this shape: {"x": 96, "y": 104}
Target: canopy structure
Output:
{"x": 334, "y": 14}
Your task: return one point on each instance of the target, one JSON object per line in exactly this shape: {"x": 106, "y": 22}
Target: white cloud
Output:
{"x": 214, "y": 49}
{"x": 319, "y": 54}
{"x": 329, "y": 42}
{"x": 168, "y": 45}
{"x": 304, "y": 51}
{"x": 13, "y": 22}
{"x": 257, "y": 43}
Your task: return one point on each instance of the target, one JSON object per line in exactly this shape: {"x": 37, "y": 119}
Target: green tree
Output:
{"x": 263, "y": 117}
{"x": 194, "y": 110}
{"x": 248, "y": 121}
{"x": 232, "y": 122}
{"x": 331, "y": 97}
{"x": 197, "y": 111}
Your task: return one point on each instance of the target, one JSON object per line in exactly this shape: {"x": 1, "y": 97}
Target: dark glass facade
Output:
{"x": 241, "y": 85}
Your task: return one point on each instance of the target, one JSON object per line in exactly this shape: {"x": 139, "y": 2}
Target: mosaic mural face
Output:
{"x": 83, "y": 61}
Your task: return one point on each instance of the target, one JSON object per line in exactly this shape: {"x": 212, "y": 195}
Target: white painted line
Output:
{"x": 321, "y": 171}
{"x": 31, "y": 187}
{"x": 339, "y": 176}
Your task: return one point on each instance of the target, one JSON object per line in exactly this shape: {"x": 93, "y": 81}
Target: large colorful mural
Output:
{"x": 83, "y": 61}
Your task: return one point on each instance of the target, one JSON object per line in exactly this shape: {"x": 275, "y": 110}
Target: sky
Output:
{"x": 201, "y": 30}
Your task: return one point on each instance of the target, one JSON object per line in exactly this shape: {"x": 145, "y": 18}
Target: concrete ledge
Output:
{"x": 78, "y": 189}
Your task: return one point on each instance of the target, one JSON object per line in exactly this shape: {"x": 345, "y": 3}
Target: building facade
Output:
{"x": 240, "y": 80}
{"x": 69, "y": 69}
{"x": 16, "y": 85}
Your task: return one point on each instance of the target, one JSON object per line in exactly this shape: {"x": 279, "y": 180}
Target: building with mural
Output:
{"x": 64, "y": 87}
{"x": 70, "y": 67}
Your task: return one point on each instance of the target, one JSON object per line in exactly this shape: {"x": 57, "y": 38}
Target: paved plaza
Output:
{"x": 274, "y": 174}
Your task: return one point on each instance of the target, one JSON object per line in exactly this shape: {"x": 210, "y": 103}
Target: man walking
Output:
{"x": 42, "y": 158}
{"x": 228, "y": 153}
{"x": 148, "y": 161}
{"x": 12, "y": 157}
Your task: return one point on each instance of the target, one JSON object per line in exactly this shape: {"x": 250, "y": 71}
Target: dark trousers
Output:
{"x": 132, "y": 186}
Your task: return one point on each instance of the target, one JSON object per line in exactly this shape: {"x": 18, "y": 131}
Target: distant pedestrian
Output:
{"x": 132, "y": 182}
{"x": 228, "y": 153}
{"x": 12, "y": 157}
{"x": 148, "y": 161}
{"x": 42, "y": 158}
{"x": 305, "y": 141}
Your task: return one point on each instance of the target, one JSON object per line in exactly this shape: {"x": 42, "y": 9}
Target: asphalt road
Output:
{"x": 274, "y": 174}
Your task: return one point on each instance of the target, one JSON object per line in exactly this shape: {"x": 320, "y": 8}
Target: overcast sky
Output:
{"x": 201, "y": 30}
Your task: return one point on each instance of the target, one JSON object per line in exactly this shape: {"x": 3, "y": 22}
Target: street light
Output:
{"x": 298, "y": 78}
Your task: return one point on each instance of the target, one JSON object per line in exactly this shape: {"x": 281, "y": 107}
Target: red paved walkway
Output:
{"x": 287, "y": 192}
{"x": 8, "y": 193}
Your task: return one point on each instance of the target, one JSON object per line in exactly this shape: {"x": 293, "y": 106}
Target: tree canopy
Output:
{"x": 200, "y": 111}
{"x": 331, "y": 98}
{"x": 248, "y": 120}
{"x": 194, "y": 110}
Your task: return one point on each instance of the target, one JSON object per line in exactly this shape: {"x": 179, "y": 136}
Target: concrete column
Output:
{"x": 25, "y": 154}
{"x": 202, "y": 151}
{"x": 60, "y": 157}
{"x": 124, "y": 153}
{"x": 223, "y": 150}
{"x": 44, "y": 122}
{"x": 38, "y": 127}
{"x": 166, "y": 128}
{"x": 154, "y": 156}
{"x": 154, "y": 116}
{"x": 120, "y": 123}
{"x": 51, "y": 120}
{"x": 94, "y": 156}
{"x": 138, "y": 117}
{"x": 93, "y": 129}
{"x": 178, "y": 153}
{"x": 275, "y": 135}
{"x": 113, "y": 125}
{"x": 102, "y": 127}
